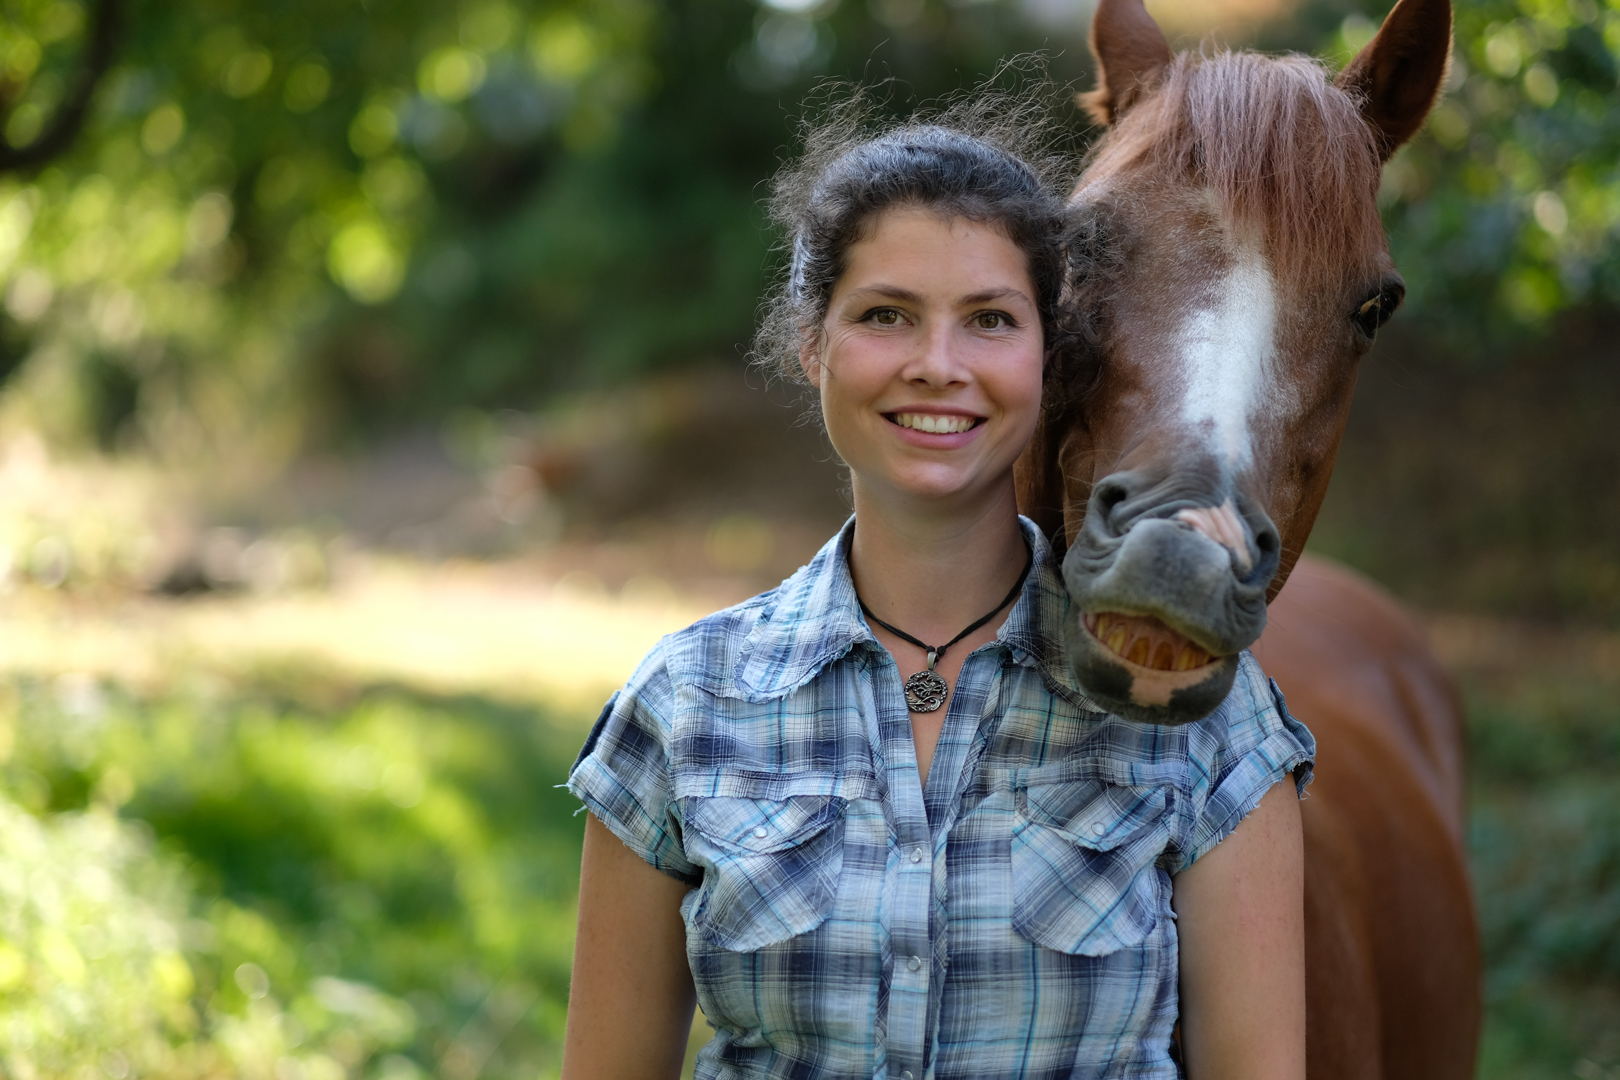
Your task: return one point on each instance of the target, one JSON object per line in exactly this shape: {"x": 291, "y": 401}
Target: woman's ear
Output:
{"x": 810, "y": 356}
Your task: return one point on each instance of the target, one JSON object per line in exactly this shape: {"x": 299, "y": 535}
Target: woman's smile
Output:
{"x": 934, "y": 424}
{"x": 935, "y": 430}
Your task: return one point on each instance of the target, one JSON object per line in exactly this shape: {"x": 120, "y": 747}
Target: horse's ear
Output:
{"x": 1398, "y": 75}
{"x": 1130, "y": 50}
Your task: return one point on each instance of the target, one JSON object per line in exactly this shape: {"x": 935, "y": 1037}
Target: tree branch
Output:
{"x": 70, "y": 115}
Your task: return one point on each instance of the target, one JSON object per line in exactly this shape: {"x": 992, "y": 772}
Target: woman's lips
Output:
{"x": 1146, "y": 642}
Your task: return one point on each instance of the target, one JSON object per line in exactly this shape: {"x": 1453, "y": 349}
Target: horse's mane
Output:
{"x": 1284, "y": 150}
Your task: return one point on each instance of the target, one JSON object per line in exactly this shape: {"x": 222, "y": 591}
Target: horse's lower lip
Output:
{"x": 1146, "y": 642}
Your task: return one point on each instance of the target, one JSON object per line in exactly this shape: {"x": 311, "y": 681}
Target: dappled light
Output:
{"x": 373, "y": 396}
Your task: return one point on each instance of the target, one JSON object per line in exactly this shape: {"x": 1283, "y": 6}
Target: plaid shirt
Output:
{"x": 1010, "y": 920}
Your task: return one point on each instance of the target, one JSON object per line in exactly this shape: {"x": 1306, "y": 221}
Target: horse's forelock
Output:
{"x": 1285, "y": 151}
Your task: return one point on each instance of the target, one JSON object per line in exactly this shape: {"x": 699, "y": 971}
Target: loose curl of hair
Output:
{"x": 991, "y": 157}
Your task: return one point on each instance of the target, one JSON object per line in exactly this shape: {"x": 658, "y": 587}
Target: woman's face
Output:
{"x": 930, "y": 358}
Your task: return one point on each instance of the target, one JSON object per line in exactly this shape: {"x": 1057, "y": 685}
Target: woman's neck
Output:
{"x": 933, "y": 572}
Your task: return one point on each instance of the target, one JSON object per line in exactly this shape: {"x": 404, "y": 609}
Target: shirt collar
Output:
{"x": 814, "y": 618}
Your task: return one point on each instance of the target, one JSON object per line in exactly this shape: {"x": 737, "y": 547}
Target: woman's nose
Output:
{"x": 938, "y": 359}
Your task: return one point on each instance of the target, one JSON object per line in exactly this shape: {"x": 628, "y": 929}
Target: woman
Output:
{"x": 867, "y": 819}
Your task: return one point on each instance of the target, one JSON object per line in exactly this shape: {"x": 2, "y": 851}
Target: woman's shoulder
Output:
{"x": 711, "y": 644}
{"x": 1253, "y": 713}
{"x": 770, "y": 643}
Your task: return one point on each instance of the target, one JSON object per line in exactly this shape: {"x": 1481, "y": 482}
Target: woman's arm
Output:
{"x": 630, "y": 1001}
{"x": 1240, "y": 913}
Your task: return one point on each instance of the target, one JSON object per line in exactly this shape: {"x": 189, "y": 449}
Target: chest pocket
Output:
{"x": 1084, "y": 864}
{"x": 771, "y": 867}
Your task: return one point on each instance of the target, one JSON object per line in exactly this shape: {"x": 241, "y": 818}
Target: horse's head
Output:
{"x": 1232, "y": 270}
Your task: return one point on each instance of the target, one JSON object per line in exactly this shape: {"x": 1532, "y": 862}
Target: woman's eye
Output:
{"x": 991, "y": 320}
{"x": 885, "y": 317}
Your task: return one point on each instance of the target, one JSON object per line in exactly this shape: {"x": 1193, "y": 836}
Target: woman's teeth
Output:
{"x": 933, "y": 424}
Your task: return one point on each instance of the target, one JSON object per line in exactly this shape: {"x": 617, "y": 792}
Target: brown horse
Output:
{"x": 1231, "y": 270}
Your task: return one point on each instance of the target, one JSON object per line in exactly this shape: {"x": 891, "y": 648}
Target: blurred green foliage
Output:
{"x": 1545, "y": 848}
{"x": 281, "y": 220}
{"x": 1506, "y": 209}
{"x": 334, "y": 883}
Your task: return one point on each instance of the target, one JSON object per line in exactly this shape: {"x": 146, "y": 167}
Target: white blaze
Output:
{"x": 1226, "y": 354}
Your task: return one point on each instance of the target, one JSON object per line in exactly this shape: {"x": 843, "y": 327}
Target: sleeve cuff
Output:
{"x": 617, "y": 808}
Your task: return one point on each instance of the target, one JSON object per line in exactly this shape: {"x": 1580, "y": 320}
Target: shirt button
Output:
{"x": 907, "y": 1075}
{"x": 1098, "y": 828}
{"x": 915, "y": 963}
{"x": 762, "y": 832}
{"x": 916, "y": 855}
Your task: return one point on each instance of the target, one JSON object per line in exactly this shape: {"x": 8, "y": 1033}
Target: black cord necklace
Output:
{"x": 926, "y": 689}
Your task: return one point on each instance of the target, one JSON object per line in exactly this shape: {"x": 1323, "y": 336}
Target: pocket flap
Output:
{"x": 761, "y": 826}
{"x": 1094, "y": 814}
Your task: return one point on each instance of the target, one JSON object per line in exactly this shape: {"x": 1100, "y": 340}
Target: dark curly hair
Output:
{"x": 988, "y": 158}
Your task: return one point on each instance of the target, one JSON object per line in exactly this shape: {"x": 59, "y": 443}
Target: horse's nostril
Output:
{"x": 1106, "y": 499}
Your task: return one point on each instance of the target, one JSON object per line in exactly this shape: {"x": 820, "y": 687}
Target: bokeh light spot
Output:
{"x": 307, "y": 86}
{"x": 563, "y": 49}
{"x": 162, "y": 130}
{"x": 252, "y": 980}
{"x": 365, "y": 262}
{"x": 450, "y": 74}
{"x": 374, "y": 130}
{"x": 247, "y": 73}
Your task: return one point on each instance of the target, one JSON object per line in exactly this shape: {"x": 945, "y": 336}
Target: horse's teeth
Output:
{"x": 1190, "y": 657}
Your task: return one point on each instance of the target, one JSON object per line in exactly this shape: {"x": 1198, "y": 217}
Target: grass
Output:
{"x": 399, "y": 854}
{"x": 311, "y": 872}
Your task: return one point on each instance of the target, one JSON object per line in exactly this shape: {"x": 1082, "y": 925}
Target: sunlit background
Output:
{"x": 372, "y": 396}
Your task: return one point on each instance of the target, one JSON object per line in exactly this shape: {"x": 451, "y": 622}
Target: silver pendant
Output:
{"x": 925, "y": 690}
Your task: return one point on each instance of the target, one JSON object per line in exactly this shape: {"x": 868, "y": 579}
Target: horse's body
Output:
{"x": 1231, "y": 270}
{"x": 1392, "y": 961}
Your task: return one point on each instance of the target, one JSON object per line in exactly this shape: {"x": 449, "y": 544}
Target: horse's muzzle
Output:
{"x": 1160, "y": 609}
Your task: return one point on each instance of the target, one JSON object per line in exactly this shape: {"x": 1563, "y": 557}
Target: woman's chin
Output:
{"x": 957, "y": 485}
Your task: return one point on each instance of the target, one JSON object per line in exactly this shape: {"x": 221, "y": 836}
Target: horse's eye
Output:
{"x": 1375, "y": 311}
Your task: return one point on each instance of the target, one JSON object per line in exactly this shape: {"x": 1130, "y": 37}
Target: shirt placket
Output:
{"x": 955, "y": 762}
{"x": 909, "y": 939}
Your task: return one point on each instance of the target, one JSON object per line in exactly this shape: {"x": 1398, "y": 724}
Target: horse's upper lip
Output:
{"x": 1162, "y": 570}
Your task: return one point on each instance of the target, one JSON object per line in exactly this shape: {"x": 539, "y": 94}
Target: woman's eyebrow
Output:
{"x": 996, "y": 294}
{"x": 891, "y": 292}
{"x": 895, "y": 292}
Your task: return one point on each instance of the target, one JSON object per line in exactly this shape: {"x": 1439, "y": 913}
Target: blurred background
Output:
{"x": 372, "y": 396}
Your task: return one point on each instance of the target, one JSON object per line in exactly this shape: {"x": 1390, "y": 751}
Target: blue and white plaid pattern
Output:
{"x": 1011, "y": 920}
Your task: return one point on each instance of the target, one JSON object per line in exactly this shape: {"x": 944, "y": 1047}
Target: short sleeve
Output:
{"x": 622, "y": 775}
{"x": 1236, "y": 755}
